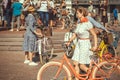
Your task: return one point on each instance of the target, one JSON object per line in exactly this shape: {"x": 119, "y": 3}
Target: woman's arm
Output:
{"x": 39, "y": 4}
{"x": 32, "y": 27}
{"x": 95, "y": 38}
{"x": 72, "y": 38}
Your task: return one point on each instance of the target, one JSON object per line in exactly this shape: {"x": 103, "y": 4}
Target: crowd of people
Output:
{"x": 14, "y": 12}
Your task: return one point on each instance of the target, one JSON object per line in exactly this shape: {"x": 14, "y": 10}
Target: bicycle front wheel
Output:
{"x": 49, "y": 70}
{"x": 100, "y": 72}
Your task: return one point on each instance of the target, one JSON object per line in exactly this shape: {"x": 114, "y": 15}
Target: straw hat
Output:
{"x": 31, "y": 9}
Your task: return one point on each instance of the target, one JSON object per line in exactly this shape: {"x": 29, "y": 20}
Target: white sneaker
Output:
{"x": 17, "y": 29}
{"x": 11, "y": 29}
{"x": 33, "y": 64}
{"x": 26, "y": 61}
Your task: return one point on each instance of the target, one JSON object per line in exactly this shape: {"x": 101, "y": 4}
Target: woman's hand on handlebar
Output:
{"x": 39, "y": 34}
{"x": 67, "y": 43}
{"x": 94, "y": 48}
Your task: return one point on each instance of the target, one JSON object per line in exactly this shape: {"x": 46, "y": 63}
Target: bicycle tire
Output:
{"x": 48, "y": 71}
{"x": 102, "y": 73}
{"x": 49, "y": 48}
{"x": 109, "y": 49}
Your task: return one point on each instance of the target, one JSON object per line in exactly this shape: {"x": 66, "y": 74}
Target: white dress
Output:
{"x": 82, "y": 50}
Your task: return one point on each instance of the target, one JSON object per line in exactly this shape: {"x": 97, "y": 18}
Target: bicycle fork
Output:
{"x": 59, "y": 70}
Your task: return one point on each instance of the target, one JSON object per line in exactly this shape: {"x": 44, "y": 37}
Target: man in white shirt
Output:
{"x": 43, "y": 12}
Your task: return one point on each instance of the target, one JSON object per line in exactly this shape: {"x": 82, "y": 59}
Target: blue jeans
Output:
{"x": 8, "y": 17}
{"x": 44, "y": 17}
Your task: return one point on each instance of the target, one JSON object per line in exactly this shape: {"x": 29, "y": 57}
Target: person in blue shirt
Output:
{"x": 17, "y": 9}
{"x": 115, "y": 14}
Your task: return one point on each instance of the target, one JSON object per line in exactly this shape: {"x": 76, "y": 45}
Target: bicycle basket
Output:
{"x": 108, "y": 38}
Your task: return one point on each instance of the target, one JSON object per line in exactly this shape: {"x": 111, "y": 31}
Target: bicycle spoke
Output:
{"x": 52, "y": 70}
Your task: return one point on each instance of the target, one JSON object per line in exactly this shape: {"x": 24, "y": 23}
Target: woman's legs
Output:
{"x": 30, "y": 56}
{"x": 51, "y": 23}
{"x": 12, "y": 24}
{"x": 63, "y": 24}
{"x": 76, "y": 68}
{"x": 84, "y": 67}
{"x": 26, "y": 55}
{"x": 31, "y": 61}
{"x": 18, "y": 23}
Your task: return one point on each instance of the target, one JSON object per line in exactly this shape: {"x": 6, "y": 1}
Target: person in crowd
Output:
{"x": 2, "y": 10}
{"x": 82, "y": 51}
{"x": 63, "y": 13}
{"x": 100, "y": 9}
{"x": 43, "y": 12}
{"x": 30, "y": 37}
{"x": 90, "y": 7}
{"x": 17, "y": 9}
{"x": 21, "y": 1}
{"x": 51, "y": 13}
{"x": 7, "y": 12}
{"x": 63, "y": 4}
{"x": 104, "y": 17}
{"x": 95, "y": 23}
{"x": 115, "y": 14}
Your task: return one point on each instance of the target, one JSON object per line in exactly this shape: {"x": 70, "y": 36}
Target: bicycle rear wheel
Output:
{"x": 49, "y": 70}
{"x": 100, "y": 72}
{"x": 109, "y": 49}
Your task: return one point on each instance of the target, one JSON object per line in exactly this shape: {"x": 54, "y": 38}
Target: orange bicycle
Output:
{"x": 64, "y": 70}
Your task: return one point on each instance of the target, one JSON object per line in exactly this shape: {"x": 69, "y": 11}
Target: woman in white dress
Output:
{"x": 82, "y": 51}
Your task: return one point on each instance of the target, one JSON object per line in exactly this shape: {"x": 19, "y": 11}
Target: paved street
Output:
{"x": 13, "y": 68}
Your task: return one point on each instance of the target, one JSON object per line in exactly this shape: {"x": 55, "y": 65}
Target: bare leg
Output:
{"x": 26, "y": 55}
{"x": 76, "y": 68}
{"x": 63, "y": 24}
{"x": 51, "y": 23}
{"x": 84, "y": 67}
{"x": 30, "y": 56}
{"x": 106, "y": 25}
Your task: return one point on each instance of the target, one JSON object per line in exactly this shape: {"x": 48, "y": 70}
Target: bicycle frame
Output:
{"x": 42, "y": 43}
{"x": 88, "y": 76}
{"x": 102, "y": 47}
{"x": 66, "y": 61}
{"x": 116, "y": 62}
